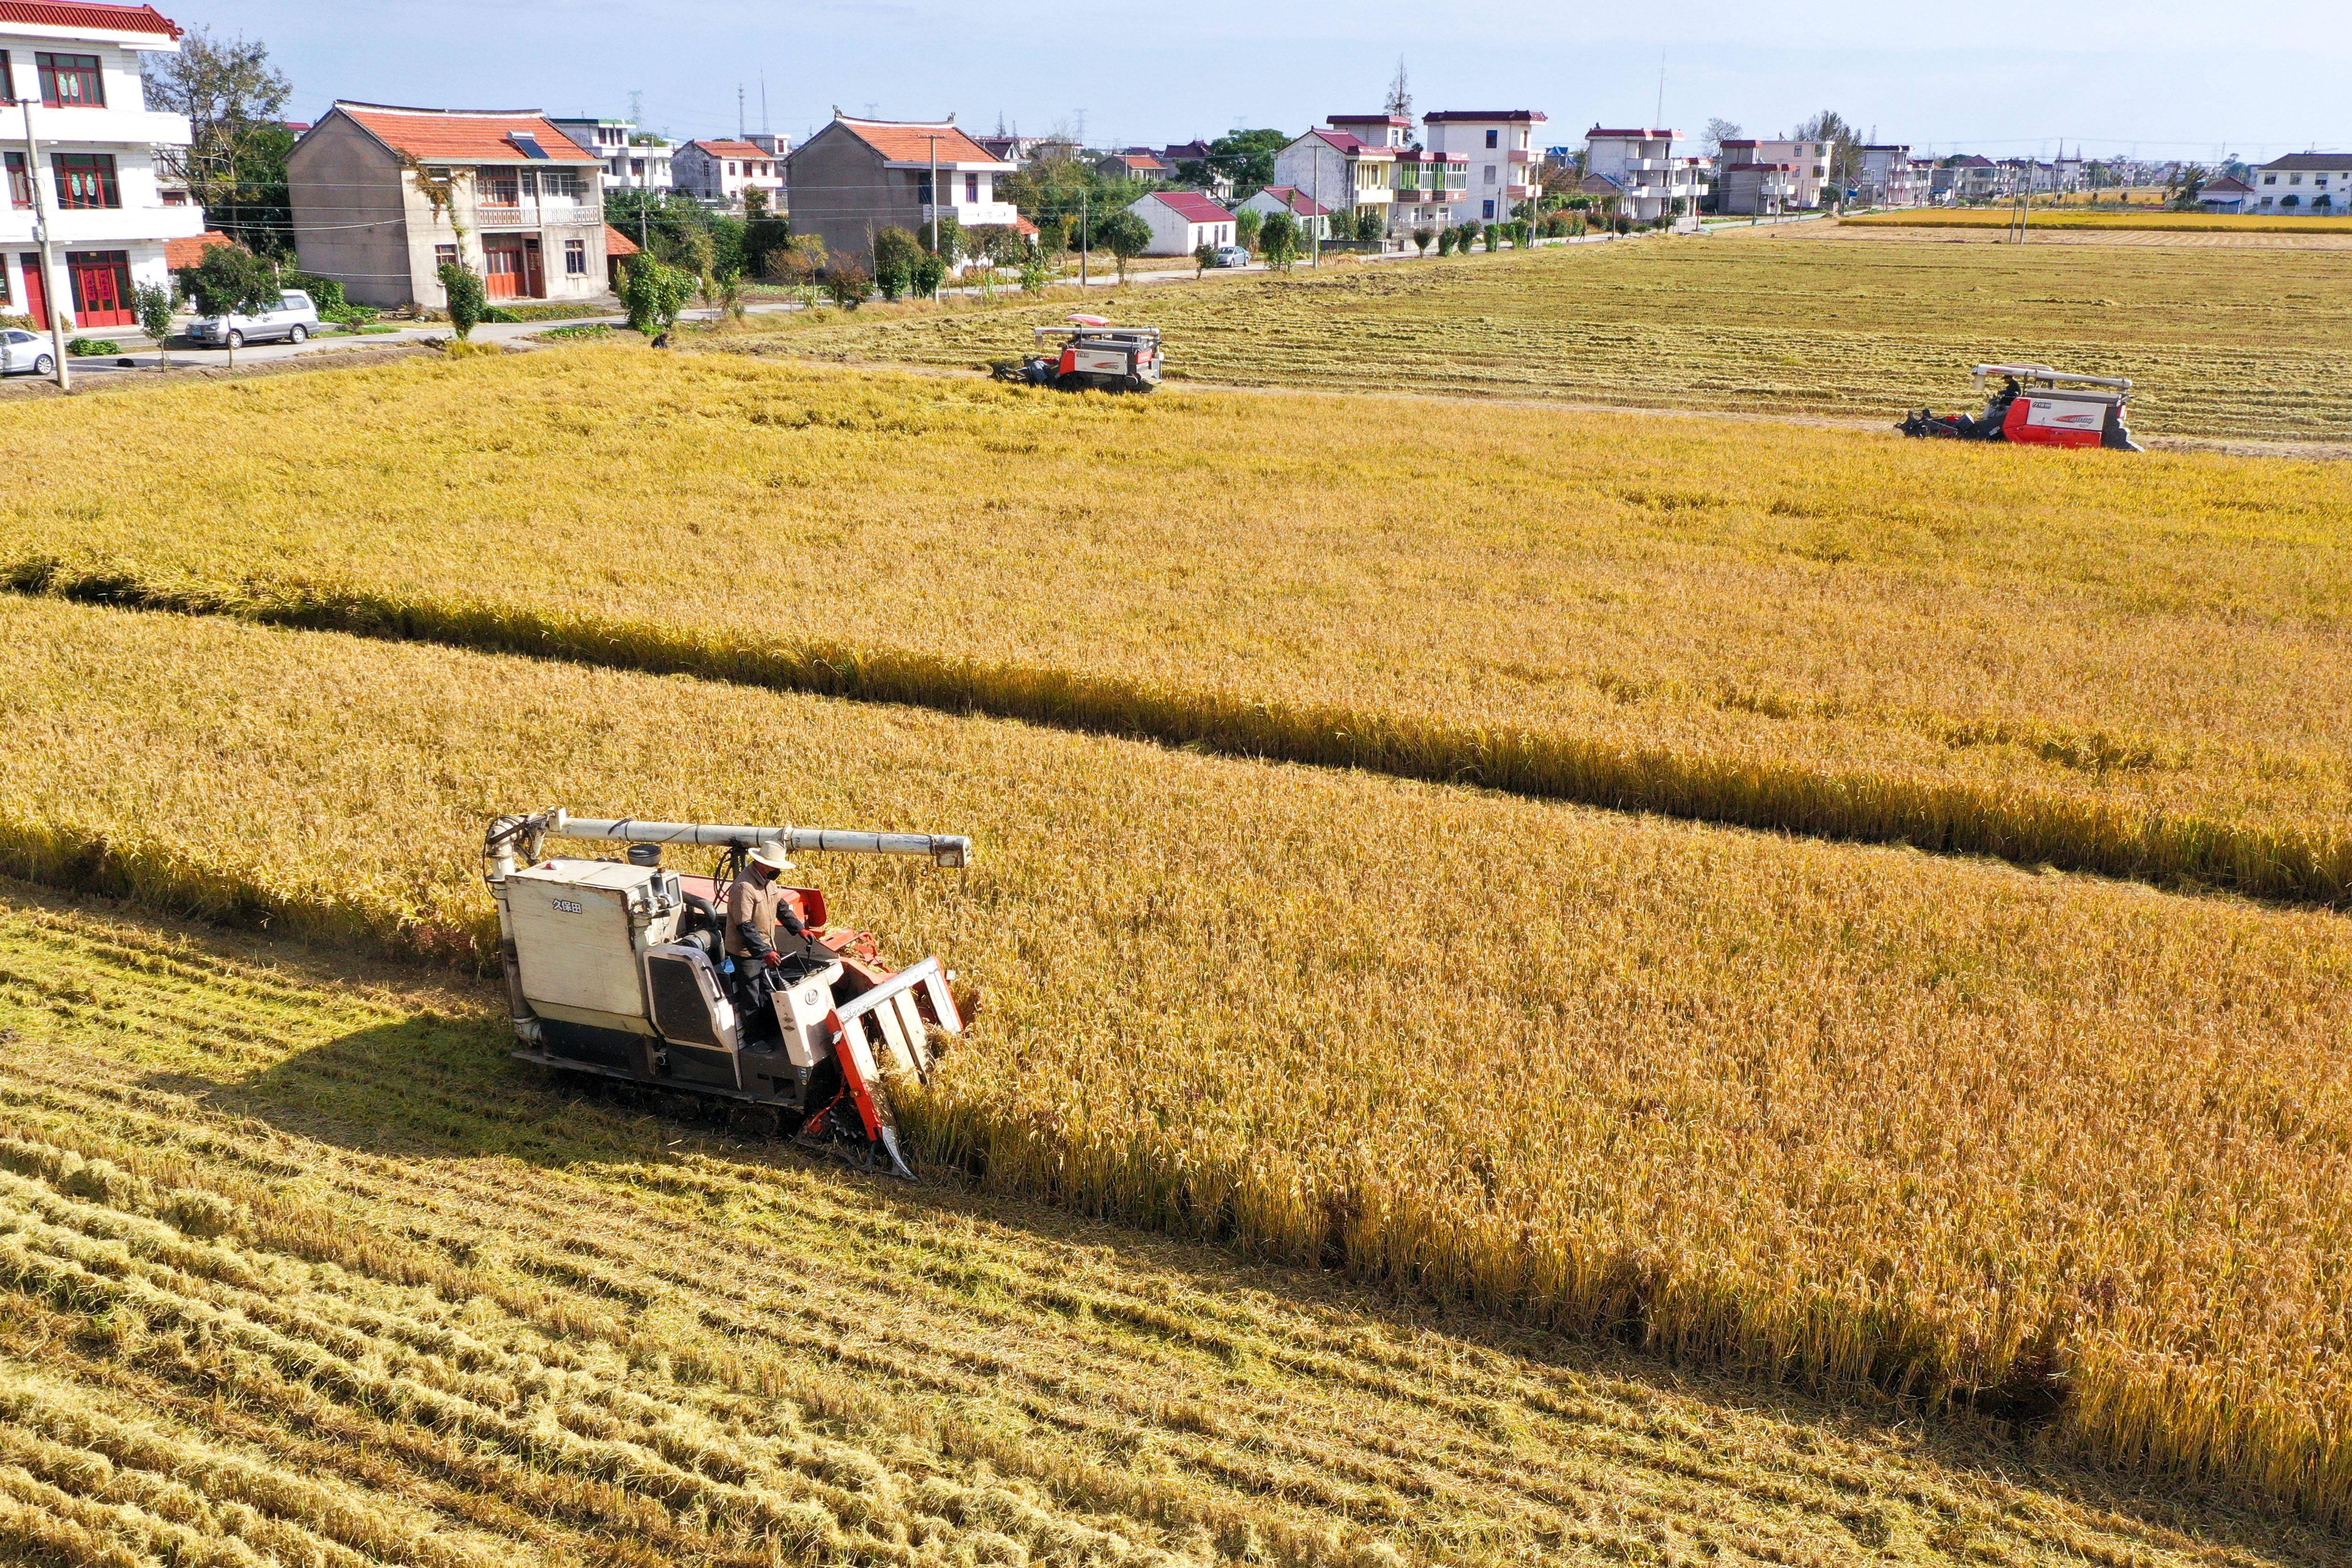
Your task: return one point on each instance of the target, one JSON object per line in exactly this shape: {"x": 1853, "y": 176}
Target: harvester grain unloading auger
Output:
{"x": 619, "y": 969}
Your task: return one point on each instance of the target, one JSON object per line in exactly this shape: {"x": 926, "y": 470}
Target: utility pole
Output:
{"x": 1315, "y": 235}
{"x": 935, "y": 199}
{"x": 765, "y": 129}
{"x": 740, "y": 126}
{"x": 1082, "y": 240}
{"x": 48, "y": 255}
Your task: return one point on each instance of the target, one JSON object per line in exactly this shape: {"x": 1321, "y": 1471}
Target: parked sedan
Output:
{"x": 24, "y": 354}
{"x": 1231, "y": 255}
{"x": 294, "y": 319}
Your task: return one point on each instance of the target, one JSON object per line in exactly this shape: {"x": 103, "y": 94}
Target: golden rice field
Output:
{"x": 296, "y": 1268}
{"x": 2068, "y": 1150}
{"x": 2060, "y": 218}
{"x": 2236, "y": 344}
{"x": 2135, "y": 665}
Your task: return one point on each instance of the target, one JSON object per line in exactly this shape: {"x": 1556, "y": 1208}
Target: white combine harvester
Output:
{"x": 619, "y": 969}
{"x": 2037, "y": 407}
{"x": 1088, "y": 353}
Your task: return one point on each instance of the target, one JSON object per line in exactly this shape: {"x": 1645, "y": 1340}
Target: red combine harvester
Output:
{"x": 1088, "y": 353}
{"x": 619, "y": 969}
{"x": 2038, "y": 406}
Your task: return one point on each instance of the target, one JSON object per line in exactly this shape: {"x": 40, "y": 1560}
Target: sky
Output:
{"x": 2158, "y": 78}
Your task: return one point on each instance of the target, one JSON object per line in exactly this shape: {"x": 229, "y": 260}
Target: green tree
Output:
{"x": 953, "y": 244}
{"x": 1420, "y": 238}
{"x": 1202, "y": 256}
{"x": 928, "y": 273}
{"x": 235, "y": 164}
{"x": 1280, "y": 240}
{"x": 468, "y": 300}
{"x": 1370, "y": 223}
{"x": 1125, "y": 236}
{"x": 1246, "y": 158}
{"x": 654, "y": 292}
{"x": 846, "y": 283}
{"x": 1844, "y": 144}
{"x": 1446, "y": 242}
{"x": 1245, "y": 227}
{"x": 894, "y": 261}
{"x": 153, "y": 304}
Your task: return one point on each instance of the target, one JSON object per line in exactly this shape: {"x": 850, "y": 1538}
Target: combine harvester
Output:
{"x": 619, "y": 969}
{"x": 1088, "y": 353}
{"x": 2038, "y": 406}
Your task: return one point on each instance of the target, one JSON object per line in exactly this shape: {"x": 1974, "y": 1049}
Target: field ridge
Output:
{"x": 2025, "y": 826}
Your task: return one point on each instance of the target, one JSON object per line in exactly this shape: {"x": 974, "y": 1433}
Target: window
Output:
{"x": 86, "y": 179}
{"x": 562, "y": 184}
{"x": 575, "y": 259}
{"x": 498, "y": 187}
{"x": 1489, "y": 211}
{"x": 2295, "y": 179}
{"x": 1490, "y": 174}
{"x": 71, "y": 82}
{"x": 638, "y": 166}
{"x": 176, "y": 197}
{"x": 1491, "y": 139}
{"x": 2269, "y": 179}
{"x": 731, "y": 166}
{"x": 7, "y": 90}
{"x": 923, "y": 189}
{"x": 444, "y": 256}
{"x": 20, "y": 188}
{"x": 972, "y": 187}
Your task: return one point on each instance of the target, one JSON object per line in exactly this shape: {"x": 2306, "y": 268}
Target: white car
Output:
{"x": 1231, "y": 255}
{"x": 26, "y": 353}
{"x": 294, "y": 319}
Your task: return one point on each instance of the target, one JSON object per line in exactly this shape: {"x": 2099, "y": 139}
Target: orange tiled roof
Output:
{"x": 735, "y": 149}
{"x": 101, "y": 19}
{"x": 477, "y": 138}
{"x": 909, "y": 141}
{"x": 190, "y": 250}
{"x": 618, "y": 244}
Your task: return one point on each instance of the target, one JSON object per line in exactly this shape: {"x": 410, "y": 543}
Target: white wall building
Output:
{"x": 723, "y": 171}
{"x": 2312, "y": 183}
{"x": 1500, "y": 147}
{"x": 1641, "y": 165}
{"x": 1314, "y": 222}
{"x": 1340, "y": 172}
{"x": 1890, "y": 177}
{"x": 95, "y": 176}
{"x": 634, "y": 160}
{"x": 1809, "y": 162}
{"x": 1182, "y": 221}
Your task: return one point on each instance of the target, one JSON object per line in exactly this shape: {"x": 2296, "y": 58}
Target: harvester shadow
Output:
{"x": 436, "y": 1087}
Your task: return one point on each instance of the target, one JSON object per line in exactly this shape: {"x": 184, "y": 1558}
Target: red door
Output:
{"x": 101, "y": 287}
{"x": 534, "y": 271}
{"x": 502, "y": 261}
{"x": 37, "y": 290}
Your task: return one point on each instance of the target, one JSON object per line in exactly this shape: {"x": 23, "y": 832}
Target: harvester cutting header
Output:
{"x": 733, "y": 987}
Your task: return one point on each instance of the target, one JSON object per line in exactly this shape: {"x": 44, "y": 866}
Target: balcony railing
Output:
{"x": 540, "y": 212}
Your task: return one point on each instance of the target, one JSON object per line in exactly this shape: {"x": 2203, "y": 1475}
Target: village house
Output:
{"x": 1182, "y": 222}
{"x": 634, "y": 160}
{"x": 1638, "y": 170}
{"x": 112, "y": 214}
{"x": 2313, "y": 183}
{"x": 1342, "y": 172}
{"x": 384, "y": 196}
{"x": 856, "y": 177}
{"x": 722, "y": 171}
{"x": 1806, "y": 163}
{"x": 1314, "y": 220}
{"x": 1500, "y": 159}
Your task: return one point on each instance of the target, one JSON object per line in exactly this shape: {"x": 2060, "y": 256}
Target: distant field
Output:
{"x": 296, "y": 1268}
{"x": 2246, "y": 343}
{"x": 2061, "y": 219}
{"x": 2070, "y": 1149}
{"x": 2130, "y": 665}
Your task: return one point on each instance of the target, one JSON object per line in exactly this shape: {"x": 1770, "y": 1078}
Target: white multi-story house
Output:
{"x": 1425, "y": 185}
{"x": 1501, "y": 159}
{"x": 1641, "y": 167}
{"x": 384, "y": 196}
{"x": 634, "y": 160}
{"x": 2315, "y": 184}
{"x": 1890, "y": 177}
{"x": 1809, "y": 162}
{"x": 1341, "y": 171}
{"x": 724, "y": 171}
{"x": 94, "y": 177}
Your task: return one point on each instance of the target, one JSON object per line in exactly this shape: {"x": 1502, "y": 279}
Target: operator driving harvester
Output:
{"x": 732, "y": 987}
{"x": 2037, "y": 407}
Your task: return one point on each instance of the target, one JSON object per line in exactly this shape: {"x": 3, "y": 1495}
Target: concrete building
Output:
{"x": 383, "y": 197}
{"x": 1182, "y": 221}
{"x": 1640, "y": 165}
{"x": 1135, "y": 163}
{"x": 95, "y": 176}
{"x": 1890, "y": 177}
{"x": 1343, "y": 172}
{"x": 2313, "y": 183}
{"x": 1500, "y": 153}
{"x": 1809, "y": 162}
{"x": 721, "y": 172}
{"x": 1314, "y": 220}
{"x": 857, "y": 176}
{"x": 634, "y": 160}
{"x": 2227, "y": 195}
{"x": 1757, "y": 190}
{"x": 1972, "y": 177}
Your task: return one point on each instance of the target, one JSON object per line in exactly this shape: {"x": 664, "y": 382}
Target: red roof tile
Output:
{"x": 190, "y": 249}
{"x": 732, "y": 149}
{"x": 1298, "y": 201}
{"x": 1473, "y": 116}
{"x": 475, "y": 137}
{"x": 910, "y": 141}
{"x": 1192, "y": 207}
{"x": 98, "y": 18}
{"x": 618, "y": 244}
